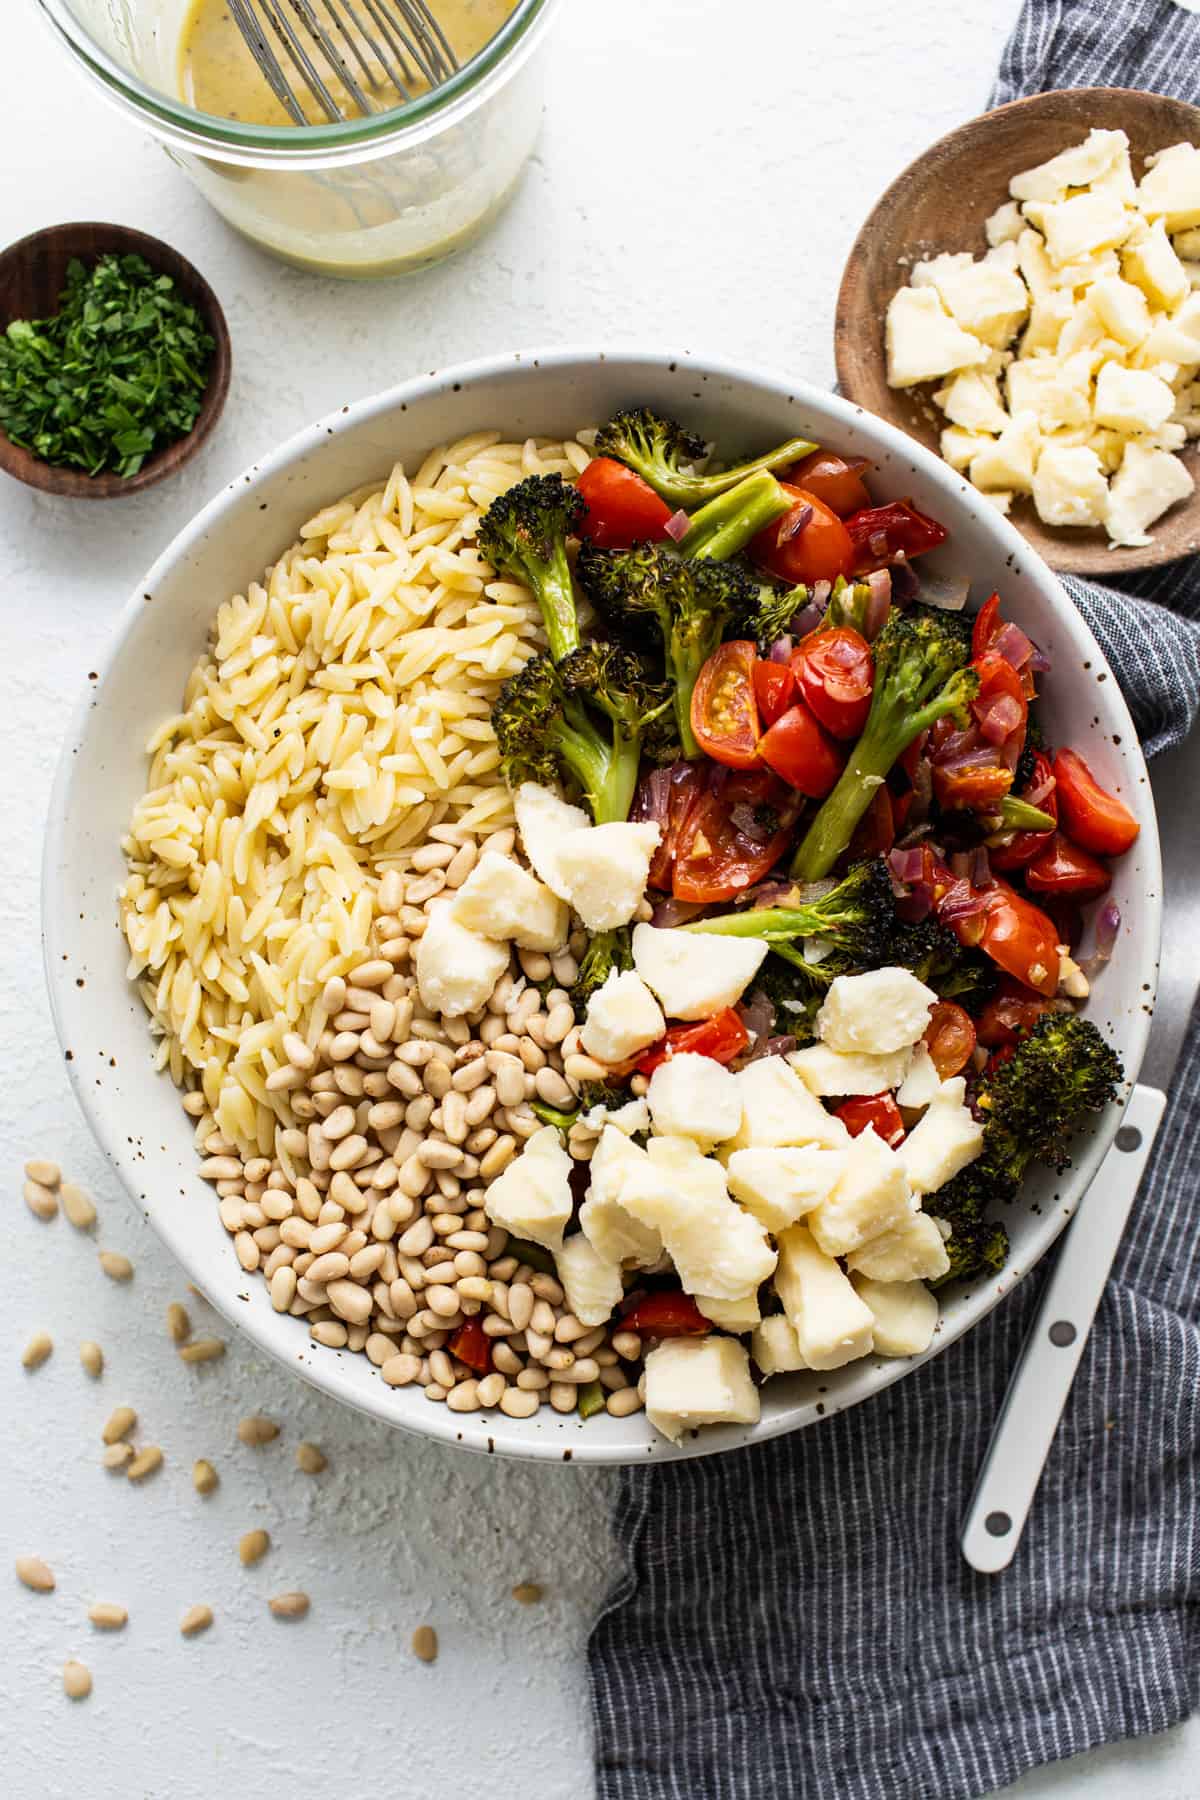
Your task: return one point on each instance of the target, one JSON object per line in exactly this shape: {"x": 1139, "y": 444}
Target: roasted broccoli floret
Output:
{"x": 725, "y": 525}
{"x": 582, "y": 719}
{"x": 920, "y": 676}
{"x": 662, "y": 453}
{"x": 523, "y": 534}
{"x": 607, "y": 951}
{"x": 976, "y": 1246}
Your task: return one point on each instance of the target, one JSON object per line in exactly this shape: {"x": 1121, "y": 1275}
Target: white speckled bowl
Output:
{"x": 136, "y": 1114}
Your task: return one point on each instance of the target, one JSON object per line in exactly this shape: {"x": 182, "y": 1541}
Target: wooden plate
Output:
{"x": 33, "y": 273}
{"x": 940, "y": 203}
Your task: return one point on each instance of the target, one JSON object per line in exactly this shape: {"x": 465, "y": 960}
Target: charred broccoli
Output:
{"x": 523, "y": 534}
{"x": 607, "y": 951}
{"x": 662, "y": 453}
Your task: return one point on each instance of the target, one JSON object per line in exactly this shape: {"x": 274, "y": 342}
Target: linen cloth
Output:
{"x": 797, "y": 1620}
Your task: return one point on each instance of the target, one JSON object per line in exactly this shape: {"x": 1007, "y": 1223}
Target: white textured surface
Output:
{"x": 742, "y": 247}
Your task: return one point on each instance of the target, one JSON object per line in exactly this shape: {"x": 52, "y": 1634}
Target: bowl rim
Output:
{"x": 482, "y": 1432}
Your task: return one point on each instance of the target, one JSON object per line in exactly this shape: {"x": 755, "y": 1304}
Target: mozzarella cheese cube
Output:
{"x": 500, "y": 899}
{"x": 632, "y": 1117}
{"x": 592, "y": 1285}
{"x": 922, "y": 1082}
{"x": 1008, "y": 465}
{"x": 779, "y": 1110}
{"x": 1084, "y": 225}
{"x": 604, "y": 869}
{"x": 832, "y": 1325}
{"x": 717, "y": 1248}
{"x": 1002, "y": 256}
{"x": 837, "y": 1073}
{"x": 986, "y": 300}
{"x": 883, "y": 1010}
{"x": 694, "y": 1097}
{"x": 960, "y": 448}
{"x": 1121, "y": 308}
{"x": 1131, "y": 400}
{"x": 998, "y": 500}
{"x": 972, "y": 400}
{"x": 775, "y": 1348}
{"x": 1083, "y": 331}
{"x": 1078, "y": 166}
{"x": 1048, "y": 319}
{"x": 623, "y": 1017}
{"x": 456, "y": 968}
{"x": 613, "y": 1232}
{"x": 870, "y": 1196}
{"x": 532, "y": 1198}
{"x": 1149, "y": 259}
{"x": 1177, "y": 338}
{"x": 544, "y": 820}
{"x": 1005, "y": 225}
{"x": 934, "y": 268}
{"x": 1146, "y": 484}
{"x": 695, "y": 974}
{"x": 1186, "y": 244}
{"x": 911, "y": 1251}
{"x": 1081, "y": 274}
{"x": 1053, "y": 392}
{"x": 1170, "y": 188}
{"x": 923, "y": 341}
{"x": 1069, "y": 486}
{"x": 946, "y": 1140}
{"x": 1034, "y": 264}
{"x": 730, "y": 1315}
{"x": 693, "y": 1381}
{"x": 780, "y": 1186}
{"x": 905, "y": 1313}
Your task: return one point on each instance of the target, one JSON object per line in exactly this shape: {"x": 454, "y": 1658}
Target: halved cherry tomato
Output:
{"x": 879, "y": 1111}
{"x": 733, "y": 835}
{"x": 668, "y": 1313}
{"x": 774, "y": 689}
{"x": 875, "y": 832}
{"x": 835, "y": 672}
{"x": 949, "y": 1038}
{"x": 1009, "y": 1014}
{"x": 622, "y": 508}
{"x": 797, "y": 748}
{"x": 722, "y": 1038}
{"x": 1021, "y": 939}
{"x": 1062, "y": 868}
{"x": 819, "y": 549}
{"x": 724, "y": 712}
{"x": 836, "y": 482}
{"x": 986, "y": 626}
{"x": 880, "y": 534}
{"x": 1023, "y": 846}
{"x": 977, "y": 789}
{"x": 472, "y": 1346}
{"x": 666, "y": 796}
{"x": 1000, "y": 707}
{"x": 1095, "y": 819}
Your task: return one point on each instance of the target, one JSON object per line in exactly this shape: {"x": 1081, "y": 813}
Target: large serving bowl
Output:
{"x": 101, "y": 1022}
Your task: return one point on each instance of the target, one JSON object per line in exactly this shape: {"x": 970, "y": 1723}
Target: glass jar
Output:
{"x": 376, "y": 196}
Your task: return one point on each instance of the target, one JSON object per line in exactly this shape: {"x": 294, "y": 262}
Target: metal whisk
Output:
{"x": 400, "y": 44}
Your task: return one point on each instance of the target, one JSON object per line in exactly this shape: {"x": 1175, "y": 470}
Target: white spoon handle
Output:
{"x": 1046, "y": 1368}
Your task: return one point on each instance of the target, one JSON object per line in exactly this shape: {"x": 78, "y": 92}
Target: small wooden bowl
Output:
{"x": 33, "y": 273}
{"x": 940, "y": 202}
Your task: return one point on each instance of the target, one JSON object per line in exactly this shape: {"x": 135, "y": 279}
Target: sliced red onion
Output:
{"x": 1011, "y": 643}
{"x": 793, "y": 523}
{"x": 676, "y": 526}
{"x": 998, "y": 717}
{"x": 961, "y": 902}
{"x": 1039, "y": 662}
{"x": 960, "y": 865}
{"x": 781, "y": 650}
{"x": 906, "y": 584}
{"x": 1108, "y": 924}
{"x": 770, "y": 1046}
{"x": 922, "y": 793}
{"x": 745, "y": 819}
{"x": 906, "y": 865}
{"x": 879, "y": 603}
{"x": 808, "y": 618}
{"x": 758, "y": 1016}
{"x": 947, "y": 592}
{"x": 669, "y": 912}
{"x": 652, "y": 800}
{"x": 877, "y": 543}
{"x": 981, "y": 756}
{"x": 772, "y": 893}
{"x": 981, "y": 868}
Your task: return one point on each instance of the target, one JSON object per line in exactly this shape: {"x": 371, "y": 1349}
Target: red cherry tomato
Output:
{"x": 1093, "y": 818}
{"x": 724, "y": 711}
{"x": 797, "y": 748}
{"x": 1062, "y": 868}
{"x": 732, "y": 836}
{"x": 805, "y": 545}
{"x": 1000, "y": 706}
{"x": 668, "y": 1313}
{"x": 1009, "y": 1014}
{"x": 622, "y": 508}
{"x": 722, "y": 1038}
{"x": 880, "y": 534}
{"x": 774, "y": 689}
{"x": 978, "y": 790}
{"x": 835, "y": 672}
{"x": 666, "y": 796}
{"x": 1025, "y": 845}
{"x": 949, "y": 1038}
{"x": 879, "y": 1111}
{"x": 1021, "y": 939}
{"x": 986, "y": 627}
{"x": 472, "y": 1346}
{"x": 836, "y": 482}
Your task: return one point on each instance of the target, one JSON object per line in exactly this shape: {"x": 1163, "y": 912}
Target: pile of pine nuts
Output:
{"x": 368, "y": 1222}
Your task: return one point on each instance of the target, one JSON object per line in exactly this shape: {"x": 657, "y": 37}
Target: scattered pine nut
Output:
{"x": 107, "y": 1617}
{"x": 46, "y": 1173}
{"x": 289, "y": 1606}
{"x": 36, "y": 1351}
{"x": 145, "y": 1463}
{"x": 204, "y": 1476}
{"x": 179, "y": 1326}
{"x": 253, "y": 1546}
{"x": 116, "y": 1266}
{"x": 527, "y": 1593}
{"x": 425, "y": 1643}
{"x": 256, "y": 1430}
{"x": 117, "y": 1456}
{"x": 310, "y": 1459}
{"x": 202, "y": 1350}
{"x": 78, "y": 1205}
{"x": 196, "y": 1618}
{"x": 119, "y": 1425}
{"x": 40, "y": 1200}
{"x": 77, "y": 1680}
{"x": 35, "y": 1574}
{"x": 92, "y": 1358}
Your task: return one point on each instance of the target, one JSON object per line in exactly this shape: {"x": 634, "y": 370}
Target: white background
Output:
{"x": 773, "y": 125}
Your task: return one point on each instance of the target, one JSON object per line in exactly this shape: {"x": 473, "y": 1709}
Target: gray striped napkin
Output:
{"x": 797, "y": 1620}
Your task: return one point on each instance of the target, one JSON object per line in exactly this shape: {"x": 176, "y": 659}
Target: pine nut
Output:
{"x": 116, "y": 1266}
{"x": 195, "y": 1620}
{"x": 204, "y": 1477}
{"x": 441, "y": 1368}
{"x": 46, "y": 1173}
{"x": 326, "y": 1238}
{"x": 202, "y": 1350}
{"x": 552, "y": 1088}
{"x": 77, "y": 1680}
{"x": 400, "y": 1370}
{"x": 464, "y": 1398}
{"x": 435, "y": 1155}
{"x": 627, "y": 1344}
{"x": 563, "y": 1397}
{"x": 256, "y": 1429}
{"x": 92, "y": 1358}
{"x": 330, "y": 1267}
{"x": 283, "y": 1287}
{"x": 533, "y": 1380}
{"x": 490, "y": 1389}
{"x": 515, "y": 1403}
{"x": 350, "y": 1301}
{"x": 35, "y": 1574}
{"x": 290, "y": 1606}
{"x": 538, "y": 1345}
{"x": 253, "y": 1546}
{"x": 546, "y": 1288}
{"x": 493, "y": 1161}
{"x": 105, "y": 1616}
{"x": 41, "y": 1201}
{"x": 425, "y": 1643}
{"x": 36, "y": 1351}
{"x": 506, "y": 1359}
{"x": 78, "y": 1205}
{"x": 117, "y": 1456}
{"x": 583, "y": 1068}
{"x": 247, "y": 1251}
{"x": 543, "y": 1318}
{"x": 330, "y": 1334}
{"x": 145, "y": 1463}
{"x": 309, "y": 1459}
{"x": 119, "y": 1425}
{"x": 461, "y": 864}
{"x": 623, "y": 1402}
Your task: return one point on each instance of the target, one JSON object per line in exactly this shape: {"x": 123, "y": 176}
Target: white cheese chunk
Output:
{"x": 905, "y": 1312}
{"x": 1131, "y": 400}
{"x": 779, "y": 1186}
{"x": 960, "y": 448}
{"x": 500, "y": 899}
{"x": 972, "y": 400}
{"x": 832, "y": 1325}
{"x": 838, "y": 1073}
{"x": 986, "y": 300}
{"x": 1055, "y": 393}
{"x": 1076, "y": 167}
{"x": 456, "y": 969}
{"x": 921, "y": 1083}
{"x": 1034, "y": 264}
{"x": 923, "y": 341}
{"x": 998, "y": 500}
{"x": 1186, "y": 244}
{"x": 1146, "y": 484}
{"x": 532, "y": 1198}
{"x": 623, "y": 1017}
{"x": 730, "y": 1315}
{"x": 934, "y": 268}
{"x": 1101, "y": 267}
{"x": 1003, "y": 256}
{"x": 1069, "y": 486}
{"x": 695, "y": 974}
{"x": 1005, "y": 225}
{"x": 613, "y": 1232}
{"x": 603, "y": 870}
{"x": 1085, "y": 224}
{"x": 544, "y": 820}
{"x": 716, "y": 1247}
{"x": 870, "y": 1196}
{"x": 883, "y": 1010}
{"x": 694, "y": 1097}
{"x": 946, "y": 1140}
{"x": 1048, "y": 319}
{"x": 1170, "y": 188}
{"x": 1176, "y": 338}
{"x": 779, "y": 1110}
{"x": 1121, "y": 308}
{"x": 1149, "y": 259}
{"x": 1008, "y": 465}
{"x": 911, "y": 1251}
{"x": 632, "y": 1117}
{"x": 775, "y": 1348}
{"x": 592, "y": 1285}
{"x": 693, "y": 1381}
